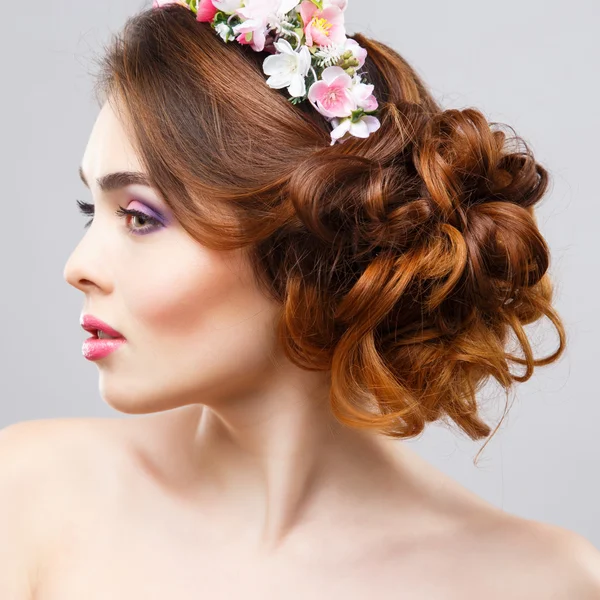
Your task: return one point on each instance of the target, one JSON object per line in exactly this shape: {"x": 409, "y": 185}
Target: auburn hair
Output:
{"x": 404, "y": 262}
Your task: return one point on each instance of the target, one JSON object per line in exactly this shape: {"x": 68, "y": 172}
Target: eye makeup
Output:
{"x": 151, "y": 220}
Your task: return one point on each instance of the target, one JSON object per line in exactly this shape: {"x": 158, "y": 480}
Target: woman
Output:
{"x": 290, "y": 293}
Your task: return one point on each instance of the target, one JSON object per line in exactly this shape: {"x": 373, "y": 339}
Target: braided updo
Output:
{"x": 404, "y": 263}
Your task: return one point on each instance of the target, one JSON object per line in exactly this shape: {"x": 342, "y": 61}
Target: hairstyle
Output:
{"x": 404, "y": 263}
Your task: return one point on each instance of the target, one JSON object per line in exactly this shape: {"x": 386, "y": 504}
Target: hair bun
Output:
{"x": 486, "y": 192}
{"x": 433, "y": 260}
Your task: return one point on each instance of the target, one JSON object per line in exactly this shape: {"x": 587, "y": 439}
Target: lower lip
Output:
{"x": 96, "y": 348}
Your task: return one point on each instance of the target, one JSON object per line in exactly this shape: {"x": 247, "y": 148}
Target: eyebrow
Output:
{"x": 117, "y": 180}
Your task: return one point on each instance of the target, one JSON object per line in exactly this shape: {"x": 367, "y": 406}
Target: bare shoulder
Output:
{"x": 49, "y": 470}
{"x": 536, "y": 560}
{"x": 38, "y": 465}
{"x": 33, "y": 447}
{"x": 57, "y": 474}
{"x": 46, "y": 458}
{"x": 49, "y": 454}
{"x": 568, "y": 562}
{"x": 32, "y": 452}
{"x": 63, "y": 460}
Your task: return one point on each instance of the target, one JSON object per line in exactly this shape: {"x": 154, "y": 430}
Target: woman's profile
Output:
{"x": 280, "y": 292}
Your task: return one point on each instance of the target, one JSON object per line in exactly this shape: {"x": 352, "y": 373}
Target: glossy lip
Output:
{"x": 92, "y": 324}
{"x": 94, "y": 348}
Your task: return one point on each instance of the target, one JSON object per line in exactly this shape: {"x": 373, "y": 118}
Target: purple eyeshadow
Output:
{"x": 147, "y": 209}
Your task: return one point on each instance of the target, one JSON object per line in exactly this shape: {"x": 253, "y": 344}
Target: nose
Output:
{"x": 87, "y": 266}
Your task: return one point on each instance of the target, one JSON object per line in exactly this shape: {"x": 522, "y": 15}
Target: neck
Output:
{"x": 277, "y": 464}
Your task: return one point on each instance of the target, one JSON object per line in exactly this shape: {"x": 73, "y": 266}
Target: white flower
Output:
{"x": 270, "y": 12}
{"x": 224, "y": 31}
{"x": 288, "y": 68}
{"x": 278, "y": 18}
{"x": 228, "y": 6}
{"x": 285, "y": 6}
{"x": 343, "y": 128}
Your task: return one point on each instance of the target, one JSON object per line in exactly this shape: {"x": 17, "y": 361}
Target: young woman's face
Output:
{"x": 195, "y": 324}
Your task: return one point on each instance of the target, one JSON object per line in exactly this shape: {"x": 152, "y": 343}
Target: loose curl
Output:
{"x": 403, "y": 262}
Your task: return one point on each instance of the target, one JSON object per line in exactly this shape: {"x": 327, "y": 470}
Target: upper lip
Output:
{"x": 93, "y": 324}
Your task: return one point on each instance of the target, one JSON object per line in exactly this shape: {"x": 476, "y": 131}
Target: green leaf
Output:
{"x": 357, "y": 114}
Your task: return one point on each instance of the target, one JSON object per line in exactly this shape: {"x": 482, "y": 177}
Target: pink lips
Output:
{"x": 94, "y": 347}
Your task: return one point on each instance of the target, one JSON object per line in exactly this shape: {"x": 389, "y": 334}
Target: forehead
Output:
{"x": 108, "y": 148}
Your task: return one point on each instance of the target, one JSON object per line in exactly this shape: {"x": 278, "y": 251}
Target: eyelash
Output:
{"x": 88, "y": 209}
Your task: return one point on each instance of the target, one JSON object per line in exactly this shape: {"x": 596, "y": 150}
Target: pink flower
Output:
{"x": 357, "y": 51}
{"x": 256, "y": 10}
{"x": 323, "y": 27}
{"x": 206, "y": 11}
{"x": 253, "y": 30}
{"x": 363, "y": 95}
{"x": 331, "y": 95}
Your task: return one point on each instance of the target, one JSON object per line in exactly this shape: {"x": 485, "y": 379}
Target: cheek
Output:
{"x": 188, "y": 295}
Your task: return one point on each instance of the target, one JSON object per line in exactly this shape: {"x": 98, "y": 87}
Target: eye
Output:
{"x": 148, "y": 223}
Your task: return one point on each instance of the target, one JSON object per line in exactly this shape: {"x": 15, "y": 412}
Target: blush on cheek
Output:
{"x": 181, "y": 287}
{"x": 176, "y": 306}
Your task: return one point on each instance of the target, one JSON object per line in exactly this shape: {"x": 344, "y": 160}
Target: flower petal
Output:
{"x": 284, "y": 46}
{"x": 228, "y": 6}
{"x": 286, "y": 6}
{"x": 330, "y": 73}
{"x": 372, "y": 122}
{"x": 275, "y": 64}
{"x": 206, "y": 11}
{"x": 307, "y": 10}
{"x": 304, "y": 60}
{"x": 332, "y": 14}
{"x": 339, "y": 131}
{"x": 298, "y": 86}
{"x": 278, "y": 80}
{"x": 359, "y": 129}
{"x": 361, "y": 91}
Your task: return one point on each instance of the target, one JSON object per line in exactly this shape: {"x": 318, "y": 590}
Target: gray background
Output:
{"x": 531, "y": 64}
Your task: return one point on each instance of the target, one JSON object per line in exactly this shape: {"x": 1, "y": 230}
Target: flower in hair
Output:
{"x": 258, "y": 17}
{"x": 206, "y": 10}
{"x": 338, "y": 95}
{"x": 288, "y": 68}
{"x": 322, "y": 26}
{"x": 309, "y": 54}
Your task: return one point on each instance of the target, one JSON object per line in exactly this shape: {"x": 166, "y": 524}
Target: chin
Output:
{"x": 127, "y": 400}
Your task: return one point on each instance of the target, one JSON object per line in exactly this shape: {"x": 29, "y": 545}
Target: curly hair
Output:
{"x": 403, "y": 262}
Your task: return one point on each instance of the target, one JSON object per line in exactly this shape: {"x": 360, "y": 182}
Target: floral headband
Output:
{"x": 317, "y": 56}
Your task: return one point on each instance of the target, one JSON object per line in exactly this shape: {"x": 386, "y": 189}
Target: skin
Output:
{"x": 233, "y": 478}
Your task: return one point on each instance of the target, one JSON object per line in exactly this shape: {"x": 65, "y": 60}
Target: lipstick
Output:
{"x": 104, "y": 340}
